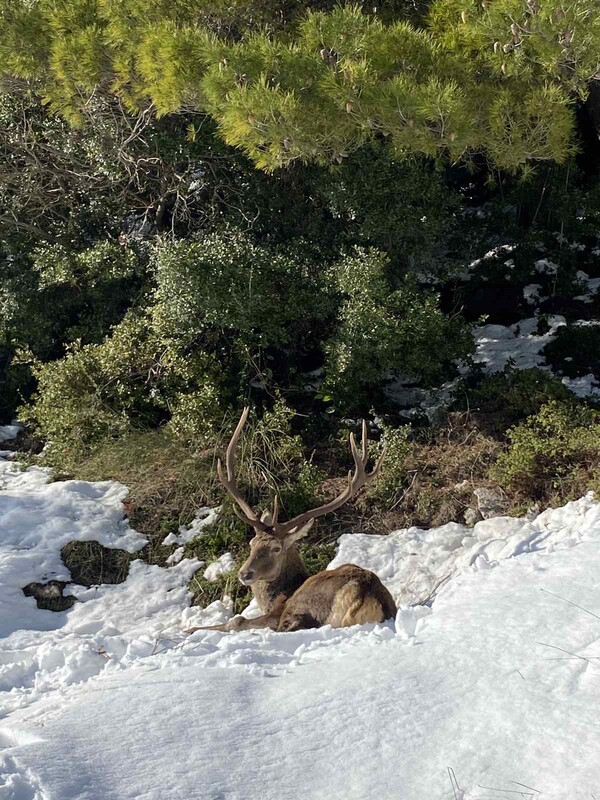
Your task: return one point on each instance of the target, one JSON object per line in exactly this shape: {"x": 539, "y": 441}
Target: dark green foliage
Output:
{"x": 227, "y": 286}
{"x": 575, "y": 351}
{"x": 385, "y": 492}
{"x": 403, "y": 208}
{"x": 557, "y": 450}
{"x": 505, "y": 398}
{"x": 385, "y": 332}
{"x": 132, "y": 380}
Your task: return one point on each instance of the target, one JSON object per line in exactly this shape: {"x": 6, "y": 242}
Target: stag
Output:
{"x": 288, "y": 598}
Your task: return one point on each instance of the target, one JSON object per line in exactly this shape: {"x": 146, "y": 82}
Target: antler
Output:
{"x": 355, "y": 482}
{"x": 244, "y": 511}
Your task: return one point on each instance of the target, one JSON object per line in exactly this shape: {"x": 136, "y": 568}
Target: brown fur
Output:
{"x": 278, "y": 572}
{"x": 348, "y": 595}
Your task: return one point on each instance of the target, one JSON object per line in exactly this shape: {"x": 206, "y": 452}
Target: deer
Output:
{"x": 288, "y": 597}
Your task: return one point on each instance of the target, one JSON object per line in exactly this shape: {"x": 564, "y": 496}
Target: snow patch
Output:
{"x": 204, "y": 518}
{"x": 494, "y": 683}
{"x": 222, "y": 566}
{"x": 8, "y": 432}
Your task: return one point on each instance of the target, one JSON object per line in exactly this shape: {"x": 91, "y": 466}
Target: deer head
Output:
{"x": 270, "y": 547}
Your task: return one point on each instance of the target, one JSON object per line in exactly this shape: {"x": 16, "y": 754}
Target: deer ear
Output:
{"x": 298, "y": 533}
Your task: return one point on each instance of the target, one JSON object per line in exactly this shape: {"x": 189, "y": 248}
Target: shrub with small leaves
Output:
{"x": 575, "y": 351}
{"x": 555, "y": 451}
{"x": 391, "y": 481}
{"x": 383, "y": 332}
{"x": 505, "y": 398}
{"x": 131, "y": 380}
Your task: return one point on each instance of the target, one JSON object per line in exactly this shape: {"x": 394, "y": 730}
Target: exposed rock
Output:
{"x": 472, "y": 517}
{"x": 49, "y": 596}
{"x": 491, "y": 501}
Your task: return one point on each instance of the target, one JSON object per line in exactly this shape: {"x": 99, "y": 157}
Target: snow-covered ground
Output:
{"x": 492, "y": 691}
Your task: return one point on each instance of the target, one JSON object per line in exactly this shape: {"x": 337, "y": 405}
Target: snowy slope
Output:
{"x": 468, "y": 699}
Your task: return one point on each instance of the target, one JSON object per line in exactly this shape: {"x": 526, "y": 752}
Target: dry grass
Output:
{"x": 167, "y": 483}
{"x": 441, "y": 471}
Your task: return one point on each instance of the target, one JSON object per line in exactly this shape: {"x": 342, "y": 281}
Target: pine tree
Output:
{"x": 497, "y": 77}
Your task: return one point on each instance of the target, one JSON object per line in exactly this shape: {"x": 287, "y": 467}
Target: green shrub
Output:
{"x": 556, "y": 451}
{"x": 505, "y": 398}
{"x": 382, "y": 332}
{"x": 52, "y": 296}
{"x": 575, "y": 351}
{"x": 404, "y": 208}
{"x": 226, "y": 284}
{"x": 129, "y": 381}
{"x": 391, "y": 481}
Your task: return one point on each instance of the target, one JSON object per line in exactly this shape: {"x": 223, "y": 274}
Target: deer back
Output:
{"x": 347, "y": 595}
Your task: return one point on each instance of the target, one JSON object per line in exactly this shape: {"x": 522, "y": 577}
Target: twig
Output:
{"x": 508, "y": 791}
{"x": 397, "y": 503}
{"x": 537, "y": 791}
{"x": 571, "y": 603}
{"x": 454, "y": 783}
{"x": 568, "y": 652}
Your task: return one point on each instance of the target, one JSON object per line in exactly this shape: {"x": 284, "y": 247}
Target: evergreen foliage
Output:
{"x": 205, "y": 205}
{"x": 551, "y": 450}
{"x": 474, "y": 81}
{"x": 384, "y": 333}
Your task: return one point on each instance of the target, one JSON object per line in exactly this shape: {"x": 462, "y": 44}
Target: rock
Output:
{"x": 491, "y": 501}
{"x": 49, "y": 596}
{"x": 472, "y": 517}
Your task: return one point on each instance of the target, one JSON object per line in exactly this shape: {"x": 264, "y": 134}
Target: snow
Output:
{"x": 591, "y": 286}
{"x": 584, "y": 386}
{"x": 546, "y": 267}
{"x": 38, "y": 519}
{"x": 532, "y": 294}
{"x": 204, "y": 518}
{"x": 222, "y": 566}
{"x": 519, "y": 344}
{"x": 491, "y": 690}
{"x": 8, "y": 432}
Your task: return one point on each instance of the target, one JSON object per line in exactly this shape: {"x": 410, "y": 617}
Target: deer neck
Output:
{"x": 293, "y": 574}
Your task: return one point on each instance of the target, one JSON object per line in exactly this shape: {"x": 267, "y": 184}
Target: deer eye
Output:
{"x": 277, "y": 548}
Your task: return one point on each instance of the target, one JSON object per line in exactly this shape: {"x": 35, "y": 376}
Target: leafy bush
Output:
{"x": 575, "y": 351}
{"x": 556, "y": 451}
{"x": 388, "y": 486}
{"x": 403, "y": 208}
{"x": 259, "y": 308}
{"x": 52, "y": 296}
{"x": 505, "y": 398}
{"x": 226, "y": 283}
{"x": 382, "y": 332}
{"x": 129, "y": 381}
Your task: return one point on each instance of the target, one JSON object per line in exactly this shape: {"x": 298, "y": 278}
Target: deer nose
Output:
{"x": 247, "y": 576}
